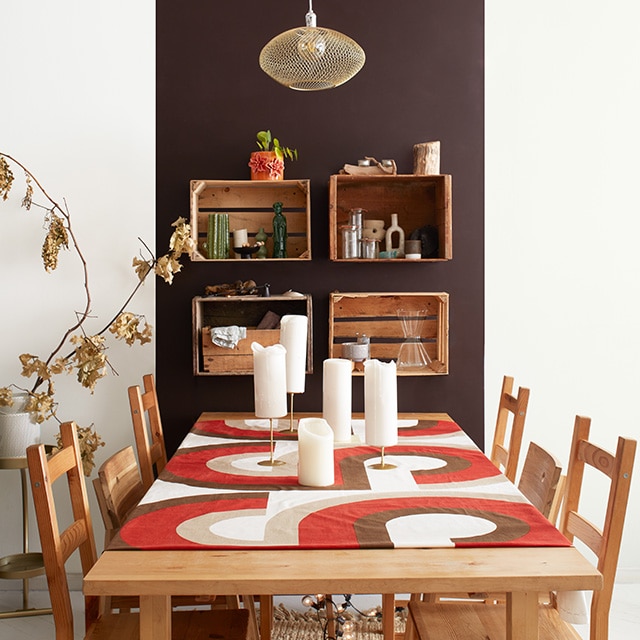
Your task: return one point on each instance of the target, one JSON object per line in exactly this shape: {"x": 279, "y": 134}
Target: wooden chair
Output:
{"x": 58, "y": 545}
{"x": 118, "y": 489}
{"x": 505, "y": 449}
{"x": 441, "y": 620}
{"x": 541, "y": 481}
{"x": 149, "y": 438}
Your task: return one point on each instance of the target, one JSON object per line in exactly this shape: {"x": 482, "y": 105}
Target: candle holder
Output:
{"x": 382, "y": 464}
{"x": 291, "y": 428}
{"x": 271, "y": 462}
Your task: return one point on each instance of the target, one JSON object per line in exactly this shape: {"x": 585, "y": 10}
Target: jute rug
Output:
{"x": 309, "y": 625}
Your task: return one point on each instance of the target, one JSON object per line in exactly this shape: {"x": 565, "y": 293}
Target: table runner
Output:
{"x": 444, "y": 492}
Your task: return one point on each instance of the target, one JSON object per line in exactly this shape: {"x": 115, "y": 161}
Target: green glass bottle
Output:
{"x": 261, "y": 236}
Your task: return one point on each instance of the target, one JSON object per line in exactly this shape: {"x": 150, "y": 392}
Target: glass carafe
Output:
{"x": 412, "y": 353}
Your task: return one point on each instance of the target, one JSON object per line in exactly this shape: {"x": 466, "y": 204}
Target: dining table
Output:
{"x": 438, "y": 517}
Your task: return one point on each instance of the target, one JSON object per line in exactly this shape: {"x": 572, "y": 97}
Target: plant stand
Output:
{"x": 25, "y": 565}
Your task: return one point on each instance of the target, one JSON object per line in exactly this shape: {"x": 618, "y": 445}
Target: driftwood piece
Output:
{"x": 426, "y": 158}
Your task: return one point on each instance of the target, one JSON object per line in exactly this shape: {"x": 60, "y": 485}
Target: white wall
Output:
{"x": 562, "y": 221}
{"x": 77, "y": 104}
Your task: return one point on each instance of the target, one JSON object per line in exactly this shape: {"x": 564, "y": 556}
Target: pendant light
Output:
{"x": 311, "y": 58}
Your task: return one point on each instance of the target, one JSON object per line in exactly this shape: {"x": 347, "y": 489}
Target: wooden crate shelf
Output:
{"x": 249, "y": 204}
{"x": 243, "y": 311}
{"x": 376, "y": 316}
{"x": 418, "y": 200}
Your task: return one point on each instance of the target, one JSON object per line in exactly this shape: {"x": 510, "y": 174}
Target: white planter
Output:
{"x": 18, "y": 429}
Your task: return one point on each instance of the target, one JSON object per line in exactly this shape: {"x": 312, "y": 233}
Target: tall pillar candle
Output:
{"x": 315, "y": 453}
{"x": 337, "y": 396}
{"x": 269, "y": 380}
{"x": 293, "y": 336}
{"x": 380, "y": 403}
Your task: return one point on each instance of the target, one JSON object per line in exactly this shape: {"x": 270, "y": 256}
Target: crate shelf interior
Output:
{"x": 242, "y": 311}
{"x": 378, "y": 316}
{"x": 418, "y": 200}
{"x": 249, "y": 204}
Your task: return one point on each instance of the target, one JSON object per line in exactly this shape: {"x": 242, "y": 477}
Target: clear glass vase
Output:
{"x": 412, "y": 353}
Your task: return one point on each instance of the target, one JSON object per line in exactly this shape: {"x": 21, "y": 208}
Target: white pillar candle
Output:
{"x": 336, "y": 397}
{"x": 315, "y": 453}
{"x": 240, "y": 238}
{"x": 380, "y": 403}
{"x": 293, "y": 336}
{"x": 269, "y": 380}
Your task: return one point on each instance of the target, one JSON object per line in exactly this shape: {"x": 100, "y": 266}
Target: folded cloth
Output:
{"x": 572, "y": 607}
{"x": 227, "y": 337}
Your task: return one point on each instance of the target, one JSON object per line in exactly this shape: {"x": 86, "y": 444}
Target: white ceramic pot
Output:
{"x": 18, "y": 429}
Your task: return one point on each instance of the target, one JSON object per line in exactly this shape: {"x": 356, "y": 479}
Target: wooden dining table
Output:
{"x": 218, "y": 520}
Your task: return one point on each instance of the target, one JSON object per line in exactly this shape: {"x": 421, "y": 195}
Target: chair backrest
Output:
{"x": 540, "y": 479}
{"x": 152, "y": 454}
{"x": 118, "y": 489}
{"x": 58, "y": 545}
{"x": 604, "y": 541}
{"x": 505, "y": 450}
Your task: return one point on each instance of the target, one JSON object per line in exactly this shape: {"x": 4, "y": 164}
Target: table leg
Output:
{"x": 522, "y": 615}
{"x": 155, "y": 617}
{"x": 388, "y": 606}
{"x": 266, "y": 617}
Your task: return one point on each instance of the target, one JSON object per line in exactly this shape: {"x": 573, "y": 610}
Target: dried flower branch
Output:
{"x": 87, "y": 356}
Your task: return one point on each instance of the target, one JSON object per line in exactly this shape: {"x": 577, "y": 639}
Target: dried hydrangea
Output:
{"x": 89, "y": 359}
{"x": 142, "y": 268}
{"x": 127, "y": 327}
{"x": 41, "y": 405}
{"x": 6, "y": 397}
{"x": 27, "y": 201}
{"x": 88, "y": 442}
{"x": 181, "y": 240}
{"x": 56, "y": 239}
{"x": 166, "y": 267}
{"x": 33, "y": 365}
{"x": 6, "y": 178}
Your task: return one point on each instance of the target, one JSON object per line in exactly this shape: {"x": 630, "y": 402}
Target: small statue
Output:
{"x": 261, "y": 237}
{"x": 279, "y": 232}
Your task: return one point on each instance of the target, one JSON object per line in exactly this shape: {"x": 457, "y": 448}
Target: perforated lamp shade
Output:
{"x": 311, "y": 58}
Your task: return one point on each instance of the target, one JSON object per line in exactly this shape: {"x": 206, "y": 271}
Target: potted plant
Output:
{"x": 77, "y": 351}
{"x": 268, "y": 163}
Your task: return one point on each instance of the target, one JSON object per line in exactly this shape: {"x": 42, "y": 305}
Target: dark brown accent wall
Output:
{"x": 423, "y": 80}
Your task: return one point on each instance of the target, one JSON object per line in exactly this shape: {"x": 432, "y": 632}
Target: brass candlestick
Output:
{"x": 271, "y": 462}
{"x": 382, "y": 464}
{"x": 291, "y": 429}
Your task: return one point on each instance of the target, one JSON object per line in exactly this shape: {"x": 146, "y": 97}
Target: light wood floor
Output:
{"x": 624, "y": 623}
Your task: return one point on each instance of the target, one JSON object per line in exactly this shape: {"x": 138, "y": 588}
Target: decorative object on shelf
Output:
{"x": 370, "y": 248}
{"x": 247, "y": 251}
{"x": 217, "y": 244}
{"x": 237, "y": 288}
{"x": 311, "y": 58}
{"x": 315, "y": 453}
{"x": 412, "y": 353}
{"x": 369, "y": 166}
{"x": 349, "y": 233}
{"x": 426, "y": 158}
{"x": 268, "y": 163}
{"x": 293, "y": 336}
{"x": 337, "y": 397}
{"x": 279, "y": 232}
{"x": 270, "y": 388}
{"x": 395, "y": 229}
{"x": 428, "y": 236}
{"x": 87, "y": 351}
{"x": 261, "y": 239}
{"x": 356, "y": 218}
{"x": 374, "y": 229}
{"x": 357, "y": 351}
{"x": 240, "y": 239}
{"x": 413, "y": 249}
{"x": 380, "y": 407}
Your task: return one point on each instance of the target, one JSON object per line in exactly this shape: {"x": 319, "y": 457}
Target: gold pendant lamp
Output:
{"x": 311, "y": 58}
